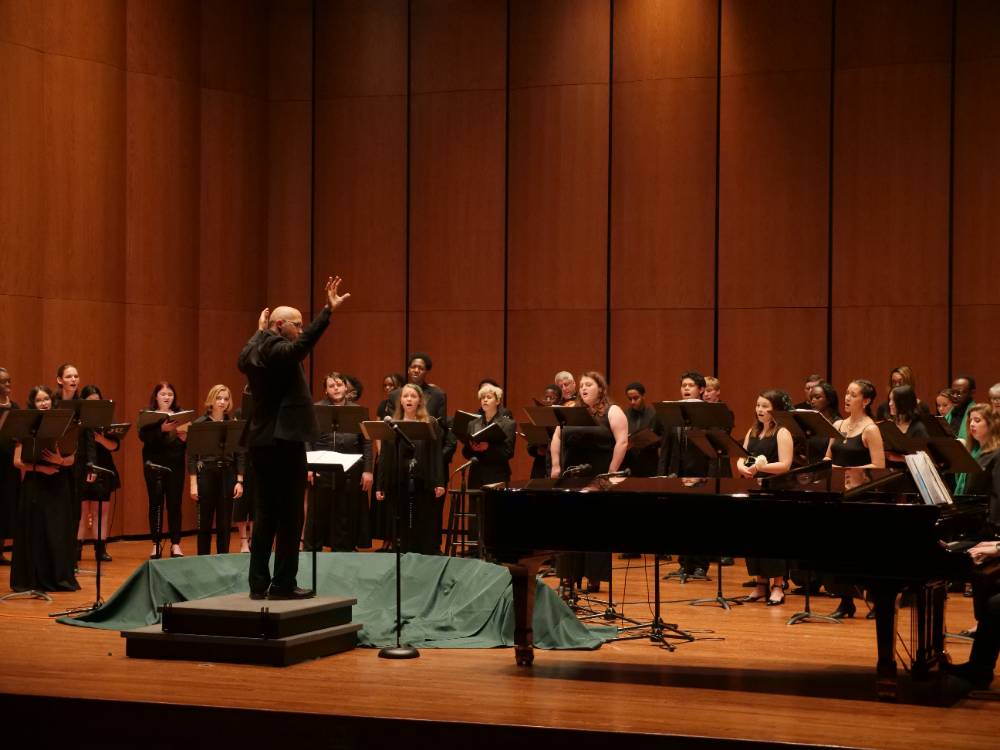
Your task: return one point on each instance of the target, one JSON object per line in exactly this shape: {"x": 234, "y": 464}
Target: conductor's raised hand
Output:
{"x": 333, "y": 298}
{"x": 264, "y": 320}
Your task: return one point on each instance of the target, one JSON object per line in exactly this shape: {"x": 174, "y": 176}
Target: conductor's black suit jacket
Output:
{"x": 283, "y": 407}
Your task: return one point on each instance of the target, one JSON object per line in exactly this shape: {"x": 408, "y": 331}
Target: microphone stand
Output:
{"x": 98, "y": 601}
{"x": 399, "y": 651}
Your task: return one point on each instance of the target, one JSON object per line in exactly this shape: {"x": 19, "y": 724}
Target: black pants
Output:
{"x": 334, "y": 503}
{"x": 215, "y": 502}
{"x": 281, "y": 486}
{"x": 986, "y": 644}
{"x": 165, "y": 489}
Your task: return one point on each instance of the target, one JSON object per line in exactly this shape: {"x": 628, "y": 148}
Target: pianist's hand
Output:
{"x": 984, "y": 551}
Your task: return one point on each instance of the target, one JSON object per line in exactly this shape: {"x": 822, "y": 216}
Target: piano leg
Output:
{"x": 523, "y": 580}
{"x": 928, "y": 628}
{"x": 884, "y": 598}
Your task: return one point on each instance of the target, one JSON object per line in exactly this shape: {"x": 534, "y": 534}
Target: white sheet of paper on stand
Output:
{"x": 332, "y": 458}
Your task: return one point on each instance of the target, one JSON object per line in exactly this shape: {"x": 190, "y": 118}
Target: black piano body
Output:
{"x": 875, "y": 540}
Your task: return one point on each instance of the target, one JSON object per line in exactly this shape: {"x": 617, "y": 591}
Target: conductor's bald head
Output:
{"x": 286, "y": 322}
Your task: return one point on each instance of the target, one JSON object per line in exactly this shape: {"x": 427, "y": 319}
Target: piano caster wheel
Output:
{"x": 524, "y": 655}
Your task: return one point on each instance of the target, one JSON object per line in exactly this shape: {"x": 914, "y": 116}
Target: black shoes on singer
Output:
{"x": 281, "y": 594}
{"x": 846, "y": 608}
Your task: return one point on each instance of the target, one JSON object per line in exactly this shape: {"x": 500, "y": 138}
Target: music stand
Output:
{"x": 717, "y": 444}
{"x": 560, "y": 416}
{"x": 682, "y": 417}
{"x": 396, "y": 431}
{"x": 333, "y": 419}
{"x": 98, "y": 415}
{"x": 43, "y": 429}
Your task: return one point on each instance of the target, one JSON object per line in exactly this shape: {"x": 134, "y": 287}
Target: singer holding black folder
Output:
{"x": 163, "y": 445}
{"x": 283, "y": 421}
{"x": 44, "y": 549}
{"x": 493, "y": 456}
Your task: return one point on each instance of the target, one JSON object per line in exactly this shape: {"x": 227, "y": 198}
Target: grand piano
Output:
{"x": 882, "y": 541}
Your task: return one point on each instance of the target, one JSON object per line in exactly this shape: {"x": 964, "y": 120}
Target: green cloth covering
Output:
{"x": 448, "y": 602}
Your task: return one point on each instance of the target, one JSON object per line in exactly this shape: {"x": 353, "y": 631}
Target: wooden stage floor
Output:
{"x": 764, "y": 683}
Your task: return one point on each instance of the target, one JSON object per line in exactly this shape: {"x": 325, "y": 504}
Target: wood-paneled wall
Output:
{"x": 756, "y": 189}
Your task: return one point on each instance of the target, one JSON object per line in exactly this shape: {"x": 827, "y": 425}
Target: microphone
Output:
{"x": 613, "y": 474}
{"x": 466, "y": 465}
{"x": 575, "y": 471}
{"x": 95, "y": 468}
{"x": 157, "y": 467}
{"x": 387, "y": 419}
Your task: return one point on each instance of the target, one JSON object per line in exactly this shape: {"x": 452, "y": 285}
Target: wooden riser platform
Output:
{"x": 152, "y": 643}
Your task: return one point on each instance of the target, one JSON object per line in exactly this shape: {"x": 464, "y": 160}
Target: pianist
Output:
{"x": 978, "y": 671}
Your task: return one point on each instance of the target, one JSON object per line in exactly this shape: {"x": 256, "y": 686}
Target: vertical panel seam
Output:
{"x": 506, "y": 199}
{"x": 718, "y": 192}
{"x": 312, "y": 187}
{"x": 406, "y": 231}
{"x": 951, "y": 191}
{"x": 611, "y": 95}
{"x": 829, "y": 197}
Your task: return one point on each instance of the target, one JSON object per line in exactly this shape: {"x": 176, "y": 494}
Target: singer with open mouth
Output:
{"x": 163, "y": 447}
{"x": 603, "y": 448}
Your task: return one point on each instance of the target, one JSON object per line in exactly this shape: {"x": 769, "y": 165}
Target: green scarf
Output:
{"x": 962, "y": 479}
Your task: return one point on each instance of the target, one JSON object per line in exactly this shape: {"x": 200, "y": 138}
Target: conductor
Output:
{"x": 283, "y": 421}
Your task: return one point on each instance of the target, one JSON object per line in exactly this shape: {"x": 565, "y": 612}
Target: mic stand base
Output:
{"x": 32, "y": 594}
{"x": 85, "y": 610}
{"x": 398, "y": 652}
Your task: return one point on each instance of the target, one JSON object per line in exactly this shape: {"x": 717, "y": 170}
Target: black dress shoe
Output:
{"x": 103, "y": 557}
{"x": 846, "y": 608}
{"x": 296, "y": 593}
{"x": 752, "y": 583}
{"x": 725, "y": 561}
{"x": 258, "y": 595}
{"x": 871, "y": 614}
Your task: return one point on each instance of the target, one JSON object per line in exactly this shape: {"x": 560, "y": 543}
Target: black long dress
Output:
{"x": 90, "y": 451}
{"x": 10, "y": 482}
{"x": 594, "y": 446}
{"x": 765, "y": 567}
{"x": 643, "y": 462}
{"x": 45, "y": 547}
{"x": 420, "y": 511}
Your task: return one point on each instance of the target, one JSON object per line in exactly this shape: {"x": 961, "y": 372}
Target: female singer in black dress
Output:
{"x": 216, "y": 481}
{"x": 341, "y": 510}
{"x": 492, "y": 459}
{"x": 44, "y": 548}
{"x": 163, "y": 445}
{"x": 859, "y": 450}
{"x": 421, "y": 503}
{"x": 10, "y": 478}
{"x": 67, "y": 385}
{"x": 96, "y": 487}
{"x": 603, "y": 448}
{"x": 822, "y": 398}
{"x": 773, "y": 448}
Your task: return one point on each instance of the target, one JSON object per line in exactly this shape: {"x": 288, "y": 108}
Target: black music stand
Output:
{"x": 43, "y": 429}
{"x": 398, "y": 430}
{"x": 682, "y": 417}
{"x": 95, "y": 414}
{"x": 334, "y": 419}
{"x": 220, "y": 439}
{"x": 805, "y": 424}
{"x": 718, "y": 445}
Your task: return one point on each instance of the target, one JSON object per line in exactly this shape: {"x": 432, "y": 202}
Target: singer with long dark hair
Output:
{"x": 419, "y": 491}
{"x": 858, "y": 450}
{"x": 95, "y": 487}
{"x": 492, "y": 459}
{"x": 216, "y": 481}
{"x": 44, "y": 550}
{"x": 771, "y": 449}
{"x": 163, "y": 446}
